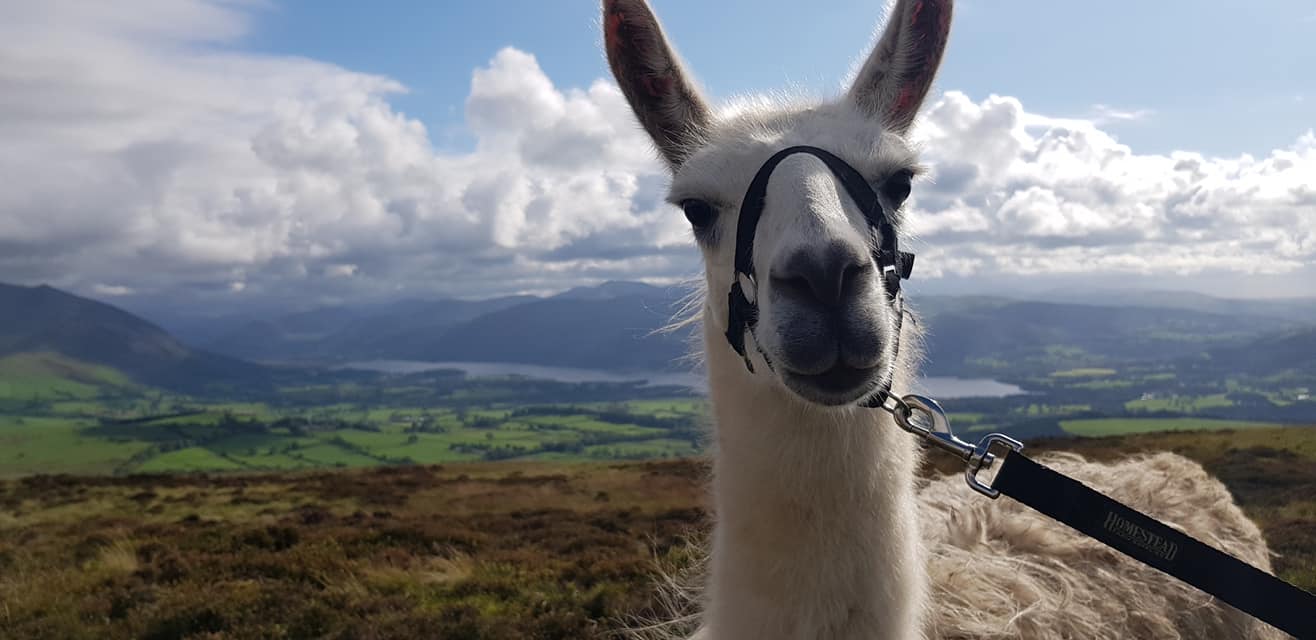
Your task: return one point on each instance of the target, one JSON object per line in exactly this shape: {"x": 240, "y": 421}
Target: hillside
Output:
{"x": 356, "y": 333}
{"x": 621, "y": 333}
{"x": 1040, "y": 337}
{"x": 522, "y": 550}
{"x": 1289, "y": 350}
{"x": 43, "y": 319}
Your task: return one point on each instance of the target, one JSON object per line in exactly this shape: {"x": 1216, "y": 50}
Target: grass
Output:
{"x": 47, "y": 376}
{"x": 37, "y": 444}
{"x": 646, "y": 449}
{"x": 1122, "y": 426}
{"x": 189, "y": 459}
{"x": 85, "y": 431}
{"x": 329, "y": 455}
{"x": 496, "y": 550}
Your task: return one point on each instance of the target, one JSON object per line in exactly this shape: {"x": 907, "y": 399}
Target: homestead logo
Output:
{"x": 1162, "y": 548}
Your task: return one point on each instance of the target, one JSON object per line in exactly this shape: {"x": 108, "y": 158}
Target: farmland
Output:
{"x": 59, "y": 415}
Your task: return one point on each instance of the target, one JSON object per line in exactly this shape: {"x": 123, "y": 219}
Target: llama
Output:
{"x": 821, "y": 528}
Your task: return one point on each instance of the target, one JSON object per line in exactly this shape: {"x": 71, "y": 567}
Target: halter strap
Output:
{"x": 892, "y": 263}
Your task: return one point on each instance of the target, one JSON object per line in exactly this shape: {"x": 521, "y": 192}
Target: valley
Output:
{"x": 87, "y": 388}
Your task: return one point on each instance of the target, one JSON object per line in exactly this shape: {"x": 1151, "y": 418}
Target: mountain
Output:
{"x": 964, "y": 334}
{"x": 43, "y": 319}
{"x": 397, "y": 330}
{"x": 1284, "y": 351}
{"x": 1295, "y": 309}
{"x": 608, "y": 327}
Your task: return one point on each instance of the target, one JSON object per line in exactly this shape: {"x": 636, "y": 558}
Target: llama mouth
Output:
{"x": 836, "y": 386}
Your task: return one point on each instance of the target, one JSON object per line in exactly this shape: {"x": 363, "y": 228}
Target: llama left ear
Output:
{"x": 898, "y": 74}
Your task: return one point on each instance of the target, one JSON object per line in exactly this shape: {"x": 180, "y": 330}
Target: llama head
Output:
{"x": 824, "y": 322}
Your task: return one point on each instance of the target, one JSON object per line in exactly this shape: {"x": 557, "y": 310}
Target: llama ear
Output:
{"x": 898, "y": 73}
{"x": 666, "y": 103}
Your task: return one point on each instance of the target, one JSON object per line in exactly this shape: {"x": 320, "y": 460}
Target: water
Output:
{"x": 935, "y": 386}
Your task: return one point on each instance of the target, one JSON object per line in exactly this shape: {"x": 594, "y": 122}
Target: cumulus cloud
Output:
{"x": 145, "y": 154}
{"x": 1020, "y": 193}
{"x": 142, "y": 150}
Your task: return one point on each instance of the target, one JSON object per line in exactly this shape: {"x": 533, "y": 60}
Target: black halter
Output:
{"x": 892, "y": 263}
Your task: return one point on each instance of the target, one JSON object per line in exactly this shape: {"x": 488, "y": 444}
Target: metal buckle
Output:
{"x": 982, "y": 457}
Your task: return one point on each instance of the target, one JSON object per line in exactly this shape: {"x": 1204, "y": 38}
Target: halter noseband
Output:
{"x": 892, "y": 263}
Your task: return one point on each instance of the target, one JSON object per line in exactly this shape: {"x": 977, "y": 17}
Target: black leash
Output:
{"x": 1147, "y": 540}
{"x": 1053, "y": 494}
{"x": 1113, "y": 523}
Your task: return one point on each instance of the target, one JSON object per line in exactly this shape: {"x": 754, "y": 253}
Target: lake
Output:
{"x": 934, "y": 386}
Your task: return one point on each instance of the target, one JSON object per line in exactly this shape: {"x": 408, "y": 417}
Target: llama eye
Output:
{"x": 699, "y": 213}
{"x": 897, "y": 187}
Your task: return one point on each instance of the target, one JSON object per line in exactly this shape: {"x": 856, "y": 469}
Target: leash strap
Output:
{"x": 1157, "y": 545}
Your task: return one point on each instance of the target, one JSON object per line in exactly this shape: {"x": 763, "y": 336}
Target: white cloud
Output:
{"x": 142, "y": 150}
{"x": 1029, "y": 194}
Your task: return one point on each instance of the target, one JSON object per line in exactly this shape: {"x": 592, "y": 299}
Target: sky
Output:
{"x": 231, "y": 153}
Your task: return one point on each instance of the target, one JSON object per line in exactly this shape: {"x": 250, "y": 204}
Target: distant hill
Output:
{"x": 616, "y": 326}
{"x": 1284, "y": 351}
{"x": 397, "y": 330}
{"x": 43, "y": 319}
{"x": 1296, "y": 309}
{"x": 610, "y": 327}
{"x": 965, "y": 332}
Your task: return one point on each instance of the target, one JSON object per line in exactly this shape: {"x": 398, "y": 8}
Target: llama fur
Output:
{"x": 822, "y": 527}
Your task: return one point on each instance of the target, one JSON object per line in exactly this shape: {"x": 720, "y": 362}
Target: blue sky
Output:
{"x": 1213, "y": 76}
{"x": 293, "y": 153}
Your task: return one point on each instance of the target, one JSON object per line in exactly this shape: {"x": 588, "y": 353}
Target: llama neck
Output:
{"x": 816, "y": 532}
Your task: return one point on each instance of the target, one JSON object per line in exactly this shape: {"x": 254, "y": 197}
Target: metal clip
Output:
{"x": 938, "y": 432}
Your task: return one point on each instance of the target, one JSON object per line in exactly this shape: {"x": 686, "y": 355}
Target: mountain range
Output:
{"x": 44, "y": 319}
{"x": 620, "y": 326}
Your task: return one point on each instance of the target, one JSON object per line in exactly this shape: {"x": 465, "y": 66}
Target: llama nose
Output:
{"x": 820, "y": 277}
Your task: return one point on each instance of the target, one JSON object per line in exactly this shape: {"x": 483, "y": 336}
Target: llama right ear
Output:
{"x": 898, "y": 74}
{"x": 666, "y": 103}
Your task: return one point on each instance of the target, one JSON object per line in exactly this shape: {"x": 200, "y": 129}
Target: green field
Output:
{"x": 229, "y": 436}
{"x": 31, "y": 444}
{"x": 59, "y": 415}
{"x": 47, "y": 376}
{"x": 1124, "y": 426}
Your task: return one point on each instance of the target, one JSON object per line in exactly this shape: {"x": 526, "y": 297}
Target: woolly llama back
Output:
{"x": 822, "y": 529}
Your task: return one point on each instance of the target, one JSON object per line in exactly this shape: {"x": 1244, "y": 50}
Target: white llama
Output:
{"x": 821, "y": 529}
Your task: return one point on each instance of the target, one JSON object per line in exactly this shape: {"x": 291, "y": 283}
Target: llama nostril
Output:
{"x": 796, "y": 287}
{"x": 822, "y": 278}
{"x": 852, "y": 274}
